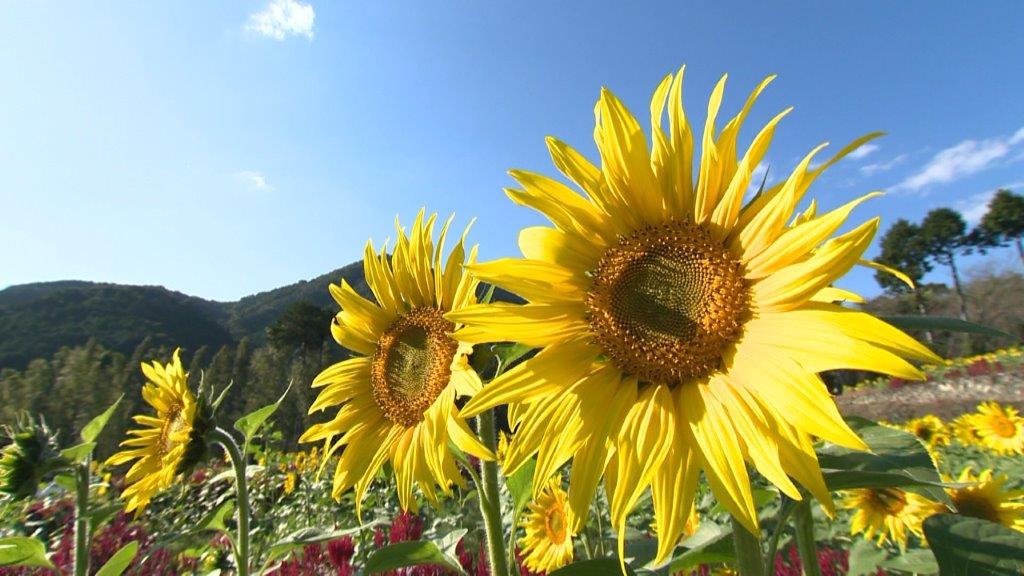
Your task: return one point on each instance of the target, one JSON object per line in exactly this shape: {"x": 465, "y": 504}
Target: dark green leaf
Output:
{"x": 214, "y": 520}
{"x": 404, "y": 554}
{"x": 119, "y": 562}
{"x": 709, "y": 546}
{"x": 508, "y": 353}
{"x": 943, "y": 323}
{"x": 95, "y": 426}
{"x": 897, "y": 459}
{"x": 251, "y": 422}
{"x": 100, "y": 516}
{"x": 23, "y": 551}
{"x": 598, "y": 567}
{"x": 965, "y": 546}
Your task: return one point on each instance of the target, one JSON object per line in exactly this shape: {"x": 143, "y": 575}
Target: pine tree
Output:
{"x": 945, "y": 237}
{"x": 904, "y": 248}
{"x": 1005, "y": 219}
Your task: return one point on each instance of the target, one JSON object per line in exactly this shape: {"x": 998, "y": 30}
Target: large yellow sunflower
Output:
{"x": 549, "y": 528}
{"x": 397, "y": 400}
{"x": 888, "y": 514}
{"x": 999, "y": 428}
{"x": 680, "y": 328}
{"x": 165, "y": 442}
{"x": 987, "y": 498}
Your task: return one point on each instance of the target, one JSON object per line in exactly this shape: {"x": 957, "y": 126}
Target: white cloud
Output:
{"x": 961, "y": 160}
{"x": 862, "y": 151}
{"x": 283, "y": 18}
{"x": 254, "y": 180}
{"x": 974, "y": 207}
{"x": 871, "y": 169}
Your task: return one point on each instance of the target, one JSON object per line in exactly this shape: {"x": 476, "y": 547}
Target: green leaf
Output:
{"x": 79, "y": 452}
{"x": 711, "y": 544}
{"x": 597, "y": 567}
{"x": 100, "y": 516}
{"x": 249, "y": 424}
{"x": 119, "y": 562}
{"x": 404, "y": 554}
{"x": 305, "y": 536}
{"x": 965, "y": 546}
{"x": 66, "y": 481}
{"x": 508, "y": 353}
{"x": 865, "y": 558}
{"x": 912, "y": 561}
{"x": 897, "y": 459}
{"x": 943, "y": 323}
{"x": 96, "y": 425}
{"x": 23, "y": 551}
{"x": 214, "y": 520}
{"x": 520, "y": 485}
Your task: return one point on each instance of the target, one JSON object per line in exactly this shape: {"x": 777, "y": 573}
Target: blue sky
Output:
{"x": 225, "y": 148}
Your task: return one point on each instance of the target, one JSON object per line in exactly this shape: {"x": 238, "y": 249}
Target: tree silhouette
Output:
{"x": 1004, "y": 220}
{"x": 904, "y": 248}
{"x": 303, "y": 325}
{"x": 944, "y": 234}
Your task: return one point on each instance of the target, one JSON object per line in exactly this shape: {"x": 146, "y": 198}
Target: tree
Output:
{"x": 904, "y": 248}
{"x": 944, "y": 234}
{"x": 303, "y": 325}
{"x": 1005, "y": 219}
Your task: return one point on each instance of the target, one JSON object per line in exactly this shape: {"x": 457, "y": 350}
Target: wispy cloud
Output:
{"x": 974, "y": 207}
{"x": 872, "y": 169}
{"x": 862, "y": 151}
{"x": 963, "y": 159}
{"x": 254, "y": 180}
{"x": 282, "y": 18}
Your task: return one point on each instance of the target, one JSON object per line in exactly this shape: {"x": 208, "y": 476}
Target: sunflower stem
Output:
{"x": 82, "y": 518}
{"x": 237, "y": 457}
{"x": 805, "y": 543}
{"x": 749, "y": 561}
{"x": 490, "y": 500}
{"x": 786, "y": 508}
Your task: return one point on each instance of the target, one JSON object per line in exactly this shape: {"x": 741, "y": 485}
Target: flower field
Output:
{"x": 652, "y": 403}
{"x": 289, "y": 500}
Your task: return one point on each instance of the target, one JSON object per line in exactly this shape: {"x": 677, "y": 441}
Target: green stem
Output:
{"x": 805, "y": 543}
{"x": 82, "y": 518}
{"x": 748, "y": 551}
{"x": 490, "y": 501}
{"x": 786, "y": 508}
{"x": 226, "y": 440}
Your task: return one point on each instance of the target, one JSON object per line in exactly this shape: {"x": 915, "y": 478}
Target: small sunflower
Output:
{"x": 929, "y": 429}
{"x": 30, "y": 456}
{"x": 999, "y": 428}
{"x": 397, "y": 400}
{"x": 888, "y": 513}
{"x": 547, "y": 544}
{"x": 988, "y": 499}
{"x": 680, "y": 328}
{"x": 964, "y": 429}
{"x": 167, "y": 444}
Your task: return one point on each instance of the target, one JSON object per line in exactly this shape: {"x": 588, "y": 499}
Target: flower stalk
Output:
{"x": 805, "y": 543}
{"x": 490, "y": 500}
{"x": 237, "y": 457}
{"x": 81, "y": 471}
{"x": 749, "y": 561}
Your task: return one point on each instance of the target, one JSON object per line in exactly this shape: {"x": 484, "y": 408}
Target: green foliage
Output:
{"x": 404, "y": 554}
{"x": 23, "y": 551}
{"x": 303, "y": 326}
{"x": 120, "y": 561}
{"x": 596, "y": 567}
{"x": 903, "y": 247}
{"x": 966, "y": 546}
{"x": 1005, "y": 216}
{"x": 944, "y": 235}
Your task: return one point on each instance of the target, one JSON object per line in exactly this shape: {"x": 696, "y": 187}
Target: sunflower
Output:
{"x": 889, "y": 513}
{"x": 397, "y": 399}
{"x": 999, "y": 428}
{"x": 929, "y": 429}
{"x": 679, "y": 329}
{"x": 167, "y": 444}
{"x": 987, "y": 498}
{"x": 547, "y": 544}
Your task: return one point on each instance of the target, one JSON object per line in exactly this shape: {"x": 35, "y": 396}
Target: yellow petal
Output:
{"x": 535, "y": 325}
